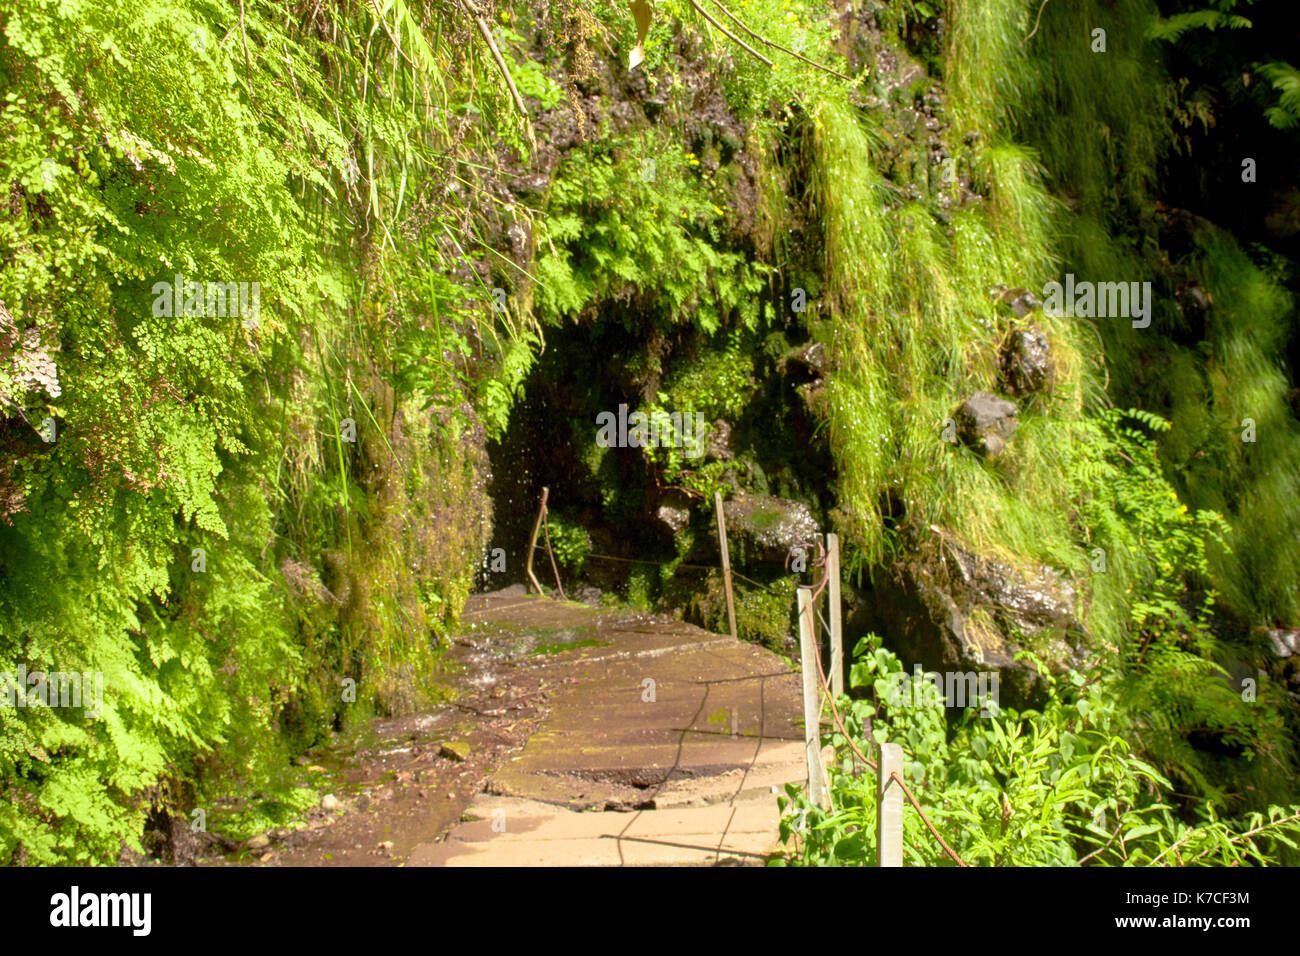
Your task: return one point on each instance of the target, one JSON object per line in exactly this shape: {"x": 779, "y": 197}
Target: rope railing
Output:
{"x": 659, "y": 564}
{"x": 892, "y": 775}
{"x": 926, "y": 820}
{"x": 817, "y": 689}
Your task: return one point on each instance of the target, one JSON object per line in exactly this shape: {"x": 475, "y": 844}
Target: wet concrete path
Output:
{"x": 663, "y": 744}
{"x": 577, "y": 736}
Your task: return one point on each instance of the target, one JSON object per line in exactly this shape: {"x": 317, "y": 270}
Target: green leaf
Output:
{"x": 642, "y": 14}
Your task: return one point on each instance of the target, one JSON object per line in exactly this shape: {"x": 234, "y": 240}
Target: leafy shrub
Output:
{"x": 570, "y": 543}
{"x": 1059, "y": 788}
{"x": 1101, "y": 774}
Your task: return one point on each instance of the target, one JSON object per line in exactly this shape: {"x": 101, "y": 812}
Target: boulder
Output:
{"x": 986, "y": 422}
{"x": 951, "y": 609}
{"x": 761, "y": 528}
{"x": 1026, "y": 361}
{"x": 671, "y": 508}
{"x": 1027, "y": 601}
{"x": 1019, "y": 302}
{"x": 675, "y": 519}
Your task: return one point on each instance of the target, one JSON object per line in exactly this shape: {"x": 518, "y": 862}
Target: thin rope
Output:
{"x": 839, "y": 724}
{"x": 693, "y": 567}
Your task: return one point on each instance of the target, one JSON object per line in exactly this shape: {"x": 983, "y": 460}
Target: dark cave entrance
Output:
{"x": 614, "y": 504}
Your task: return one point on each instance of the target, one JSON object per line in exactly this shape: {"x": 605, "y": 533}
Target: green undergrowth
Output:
{"x": 259, "y": 532}
{"x": 1064, "y": 787}
{"x": 1103, "y": 124}
{"x": 255, "y": 526}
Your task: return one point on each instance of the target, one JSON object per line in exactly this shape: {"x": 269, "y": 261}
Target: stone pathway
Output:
{"x": 663, "y": 745}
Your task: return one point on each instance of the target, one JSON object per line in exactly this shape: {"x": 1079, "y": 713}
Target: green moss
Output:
{"x": 642, "y": 587}
{"x": 561, "y": 646}
{"x": 765, "y": 616}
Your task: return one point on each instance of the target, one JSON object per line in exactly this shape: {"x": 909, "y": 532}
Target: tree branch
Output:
{"x": 705, "y": 13}
{"x": 776, "y": 46}
{"x": 472, "y": 9}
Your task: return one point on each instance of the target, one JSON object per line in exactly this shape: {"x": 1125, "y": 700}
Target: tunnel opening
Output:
{"x": 637, "y": 525}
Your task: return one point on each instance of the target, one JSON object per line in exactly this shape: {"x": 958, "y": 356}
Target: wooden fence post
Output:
{"x": 532, "y": 542}
{"x": 833, "y": 600}
{"x": 726, "y": 564}
{"x": 889, "y": 807}
{"x": 812, "y": 700}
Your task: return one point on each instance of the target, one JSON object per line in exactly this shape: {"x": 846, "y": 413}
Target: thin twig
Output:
{"x": 20, "y": 412}
{"x": 776, "y": 46}
{"x": 248, "y": 69}
{"x": 708, "y": 16}
{"x": 501, "y": 65}
{"x": 1037, "y": 20}
{"x": 397, "y": 44}
{"x": 1238, "y": 837}
{"x": 1103, "y": 846}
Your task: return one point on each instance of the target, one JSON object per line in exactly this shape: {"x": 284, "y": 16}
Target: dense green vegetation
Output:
{"x": 465, "y": 250}
{"x": 142, "y": 142}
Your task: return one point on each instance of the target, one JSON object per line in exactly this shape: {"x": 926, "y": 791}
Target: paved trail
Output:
{"x": 663, "y": 745}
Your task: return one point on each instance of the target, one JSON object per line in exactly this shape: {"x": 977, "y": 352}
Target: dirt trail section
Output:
{"x": 662, "y": 746}
{"x": 581, "y": 737}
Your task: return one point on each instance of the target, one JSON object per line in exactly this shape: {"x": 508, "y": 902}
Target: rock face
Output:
{"x": 1026, "y": 361}
{"x": 953, "y": 609}
{"x": 672, "y": 508}
{"x": 1019, "y": 302}
{"x": 1284, "y": 641}
{"x": 762, "y": 529}
{"x": 719, "y": 447}
{"x": 985, "y": 423}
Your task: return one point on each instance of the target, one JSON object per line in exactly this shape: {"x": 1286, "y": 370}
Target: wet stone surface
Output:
{"x": 761, "y": 528}
{"x": 554, "y": 720}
